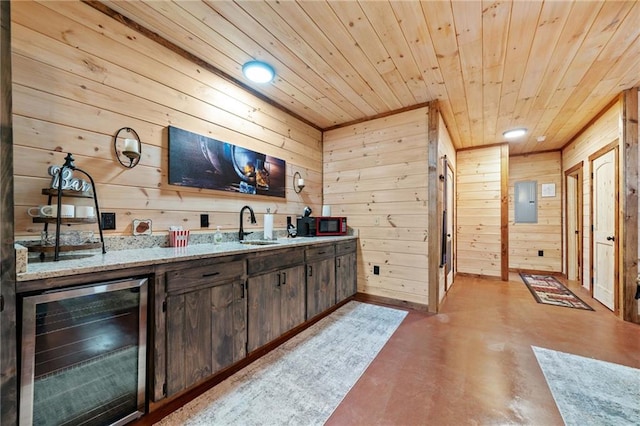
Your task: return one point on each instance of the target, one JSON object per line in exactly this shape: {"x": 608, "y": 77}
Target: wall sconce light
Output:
{"x": 132, "y": 148}
{"x": 298, "y": 182}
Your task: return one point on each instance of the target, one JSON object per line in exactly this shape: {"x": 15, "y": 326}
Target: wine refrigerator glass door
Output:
{"x": 84, "y": 354}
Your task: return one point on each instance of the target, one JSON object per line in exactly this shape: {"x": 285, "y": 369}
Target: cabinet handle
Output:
{"x": 322, "y": 252}
{"x": 284, "y": 278}
{"x": 213, "y": 274}
{"x": 242, "y": 292}
{"x": 338, "y": 262}
{"x": 279, "y": 277}
{"x": 310, "y": 270}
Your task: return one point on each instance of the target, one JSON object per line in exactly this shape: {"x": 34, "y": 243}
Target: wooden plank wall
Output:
{"x": 602, "y": 131}
{"x": 479, "y": 203}
{"x": 79, "y": 76}
{"x": 375, "y": 173}
{"x": 525, "y": 239}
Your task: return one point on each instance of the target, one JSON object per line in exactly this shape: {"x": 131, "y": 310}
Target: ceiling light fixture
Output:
{"x": 514, "y": 133}
{"x": 258, "y": 72}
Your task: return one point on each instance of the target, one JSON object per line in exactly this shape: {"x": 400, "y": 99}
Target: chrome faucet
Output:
{"x": 241, "y": 233}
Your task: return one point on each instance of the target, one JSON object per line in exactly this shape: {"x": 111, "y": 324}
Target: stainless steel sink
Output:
{"x": 259, "y": 242}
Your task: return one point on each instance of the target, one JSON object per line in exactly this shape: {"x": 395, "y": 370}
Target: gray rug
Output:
{"x": 591, "y": 392}
{"x": 302, "y": 381}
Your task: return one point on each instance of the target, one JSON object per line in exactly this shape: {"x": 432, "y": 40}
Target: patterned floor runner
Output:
{"x": 547, "y": 289}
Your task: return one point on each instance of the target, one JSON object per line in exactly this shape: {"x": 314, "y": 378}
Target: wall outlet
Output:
{"x": 204, "y": 220}
{"x": 108, "y": 221}
{"x": 540, "y": 253}
{"x": 376, "y": 270}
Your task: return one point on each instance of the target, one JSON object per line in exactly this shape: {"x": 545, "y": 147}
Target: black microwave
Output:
{"x": 327, "y": 225}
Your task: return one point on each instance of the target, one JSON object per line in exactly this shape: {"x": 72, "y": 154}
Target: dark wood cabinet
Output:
{"x": 276, "y": 296}
{"x": 208, "y": 314}
{"x": 346, "y": 274}
{"x": 206, "y": 318}
{"x": 321, "y": 279}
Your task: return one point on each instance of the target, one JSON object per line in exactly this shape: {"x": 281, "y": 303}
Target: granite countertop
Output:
{"x": 122, "y": 259}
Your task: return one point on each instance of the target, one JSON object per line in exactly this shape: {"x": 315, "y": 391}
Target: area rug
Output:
{"x": 547, "y": 289}
{"x": 591, "y": 392}
{"x": 302, "y": 381}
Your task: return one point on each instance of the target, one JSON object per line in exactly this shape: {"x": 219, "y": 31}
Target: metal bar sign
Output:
{"x": 68, "y": 181}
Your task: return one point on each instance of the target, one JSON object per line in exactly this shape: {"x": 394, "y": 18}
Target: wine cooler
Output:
{"x": 84, "y": 355}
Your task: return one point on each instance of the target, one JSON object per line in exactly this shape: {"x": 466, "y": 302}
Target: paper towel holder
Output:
{"x": 268, "y": 225}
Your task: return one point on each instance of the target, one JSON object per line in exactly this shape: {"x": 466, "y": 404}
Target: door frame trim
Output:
{"x": 447, "y": 284}
{"x": 577, "y": 171}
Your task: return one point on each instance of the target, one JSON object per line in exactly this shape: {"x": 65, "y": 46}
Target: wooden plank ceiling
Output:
{"x": 548, "y": 66}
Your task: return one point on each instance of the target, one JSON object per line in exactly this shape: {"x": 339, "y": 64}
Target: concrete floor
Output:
{"x": 472, "y": 364}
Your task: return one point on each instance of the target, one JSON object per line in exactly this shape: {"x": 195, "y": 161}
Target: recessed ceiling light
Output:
{"x": 541, "y": 138}
{"x": 514, "y": 133}
{"x": 258, "y": 72}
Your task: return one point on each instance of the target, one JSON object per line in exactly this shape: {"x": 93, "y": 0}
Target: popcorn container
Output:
{"x": 179, "y": 238}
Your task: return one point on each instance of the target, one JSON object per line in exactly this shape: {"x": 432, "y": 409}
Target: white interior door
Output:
{"x": 605, "y": 210}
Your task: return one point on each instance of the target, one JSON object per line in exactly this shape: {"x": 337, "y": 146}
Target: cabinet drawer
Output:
{"x": 320, "y": 252}
{"x": 346, "y": 247}
{"x": 280, "y": 259}
{"x": 205, "y": 274}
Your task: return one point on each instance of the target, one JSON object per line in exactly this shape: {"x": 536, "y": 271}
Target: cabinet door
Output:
{"x": 345, "y": 276}
{"x": 321, "y": 286}
{"x": 188, "y": 339}
{"x": 228, "y": 324}
{"x": 292, "y": 298}
{"x": 264, "y": 309}
{"x": 206, "y": 331}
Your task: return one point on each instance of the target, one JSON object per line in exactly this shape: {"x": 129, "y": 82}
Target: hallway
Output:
{"x": 472, "y": 364}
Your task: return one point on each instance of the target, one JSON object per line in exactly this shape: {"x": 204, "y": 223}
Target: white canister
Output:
{"x": 83, "y": 212}
{"x": 67, "y": 210}
{"x": 326, "y": 210}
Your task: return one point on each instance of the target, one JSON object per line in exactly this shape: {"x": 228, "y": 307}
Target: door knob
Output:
{"x": 611, "y": 238}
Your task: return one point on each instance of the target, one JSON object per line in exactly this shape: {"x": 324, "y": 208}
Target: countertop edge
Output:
{"x": 124, "y": 259}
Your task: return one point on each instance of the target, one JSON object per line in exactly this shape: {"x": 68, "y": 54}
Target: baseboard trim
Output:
{"x": 393, "y": 303}
{"x": 486, "y": 277}
{"x": 537, "y": 272}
